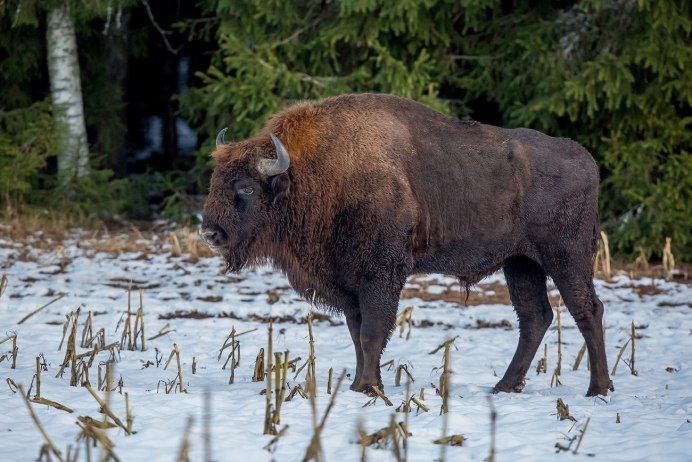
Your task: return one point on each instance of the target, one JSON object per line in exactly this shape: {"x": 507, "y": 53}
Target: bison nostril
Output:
{"x": 213, "y": 236}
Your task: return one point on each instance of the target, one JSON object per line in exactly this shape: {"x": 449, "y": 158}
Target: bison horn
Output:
{"x": 219, "y": 138}
{"x": 272, "y": 167}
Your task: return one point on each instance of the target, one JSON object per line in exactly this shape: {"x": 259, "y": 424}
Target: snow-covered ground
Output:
{"x": 202, "y": 306}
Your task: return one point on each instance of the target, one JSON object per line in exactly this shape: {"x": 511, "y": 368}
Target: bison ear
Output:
{"x": 281, "y": 187}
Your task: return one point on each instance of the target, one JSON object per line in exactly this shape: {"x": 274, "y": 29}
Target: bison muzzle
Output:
{"x": 350, "y": 195}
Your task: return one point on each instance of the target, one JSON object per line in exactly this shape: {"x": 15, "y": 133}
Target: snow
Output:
{"x": 655, "y": 406}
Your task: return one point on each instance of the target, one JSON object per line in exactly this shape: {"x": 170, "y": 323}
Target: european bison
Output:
{"x": 350, "y": 195}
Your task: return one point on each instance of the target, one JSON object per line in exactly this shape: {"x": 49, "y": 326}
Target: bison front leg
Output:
{"x": 378, "y": 318}
{"x": 353, "y": 321}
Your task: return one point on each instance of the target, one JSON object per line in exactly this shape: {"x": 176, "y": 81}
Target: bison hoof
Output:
{"x": 503, "y": 388}
{"x": 367, "y": 389}
{"x": 595, "y": 390}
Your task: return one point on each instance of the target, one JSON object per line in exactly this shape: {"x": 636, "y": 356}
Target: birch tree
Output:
{"x": 66, "y": 91}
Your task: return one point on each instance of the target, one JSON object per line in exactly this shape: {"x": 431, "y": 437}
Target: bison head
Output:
{"x": 248, "y": 180}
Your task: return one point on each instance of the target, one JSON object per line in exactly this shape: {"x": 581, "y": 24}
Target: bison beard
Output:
{"x": 350, "y": 195}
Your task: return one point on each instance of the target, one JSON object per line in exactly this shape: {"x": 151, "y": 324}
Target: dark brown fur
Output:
{"x": 381, "y": 187}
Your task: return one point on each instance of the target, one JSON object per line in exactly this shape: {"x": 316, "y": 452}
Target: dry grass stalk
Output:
{"x": 71, "y": 349}
{"x": 445, "y": 383}
{"x": 38, "y": 378}
{"x": 603, "y": 257}
{"x": 563, "y": 411}
{"x": 165, "y": 330}
{"x": 139, "y": 323}
{"x": 405, "y": 422}
{"x": 542, "y": 365}
{"x": 297, "y": 390}
{"x": 176, "y": 251}
{"x": 129, "y": 418}
{"x": 446, "y": 344}
{"x": 493, "y": 430}
{"x": 329, "y": 381}
{"x": 15, "y": 350}
{"x": 617, "y": 417}
{"x": 310, "y": 375}
{"x": 88, "y": 331}
{"x": 39, "y": 309}
{"x": 99, "y": 338}
{"x": 271, "y": 446}
{"x": 633, "y": 338}
{"x": 269, "y": 427}
{"x": 93, "y": 434}
{"x": 12, "y": 385}
{"x": 405, "y": 320}
{"x": 47, "y": 402}
{"x": 555, "y": 379}
{"x": 230, "y": 341}
{"x": 380, "y": 394}
{"x": 451, "y": 440}
{"x": 258, "y": 374}
{"x": 445, "y": 377}
{"x": 85, "y": 419}
{"x": 49, "y": 442}
{"x": 393, "y": 435}
{"x": 402, "y": 368}
{"x": 420, "y": 405}
{"x": 194, "y": 365}
{"x": 105, "y": 379}
{"x": 69, "y": 318}
{"x": 387, "y": 364}
{"x": 582, "y": 432}
{"x": 617, "y": 360}
{"x": 179, "y": 376}
{"x": 183, "y": 452}
{"x": 106, "y": 410}
{"x": 191, "y": 241}
{"x": 668, "y": 259}
{"x": 314, "y": 449}
{"x": 126, "y": 337}
{"x": 281, "y": 393}
{"x": 579, "y": 357}
{"x": 3, "y": 284}
{"x": 641, "y": 262}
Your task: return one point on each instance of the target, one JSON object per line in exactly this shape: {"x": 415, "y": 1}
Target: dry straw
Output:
{"x": 269, "y": 427}
{"x": 493, "y": 429}
{"x": 630, "y": 341}
{"x": 668, "y": 259}
{"x": 179, "y": 376}
{"x": 37, "y": 422}
{"x": 106, "y": 410}
{"x": 603, "y": 257}
{"x": 405, "y": 321}
{"x": 542, "y": 365}
{"x": 3, "y": 284}
{"x": 314, "y": 449}
{"x": 394, "y": 436}
{"x": 555, "y": 380}
{"x": 39, "y": 309}
{"x": 183, "y": 452}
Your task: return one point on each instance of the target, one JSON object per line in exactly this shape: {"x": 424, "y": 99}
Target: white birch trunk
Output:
{"x": 66, "y": 92}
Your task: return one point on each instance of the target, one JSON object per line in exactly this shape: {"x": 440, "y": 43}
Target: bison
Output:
{"x": 351, "y": 194}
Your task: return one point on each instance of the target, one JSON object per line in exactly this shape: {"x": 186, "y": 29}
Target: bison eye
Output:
{"x": 246, "y": 191}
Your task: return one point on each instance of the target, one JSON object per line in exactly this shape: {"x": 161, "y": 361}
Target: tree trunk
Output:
{"x": 66, "y": 92}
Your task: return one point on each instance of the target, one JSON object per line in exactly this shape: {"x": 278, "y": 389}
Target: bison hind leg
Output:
{"x": 526, "y": 281}
{"x": 575, "y": 283}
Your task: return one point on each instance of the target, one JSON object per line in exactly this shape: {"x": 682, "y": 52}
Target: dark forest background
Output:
{"x": 160, "y": 78}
